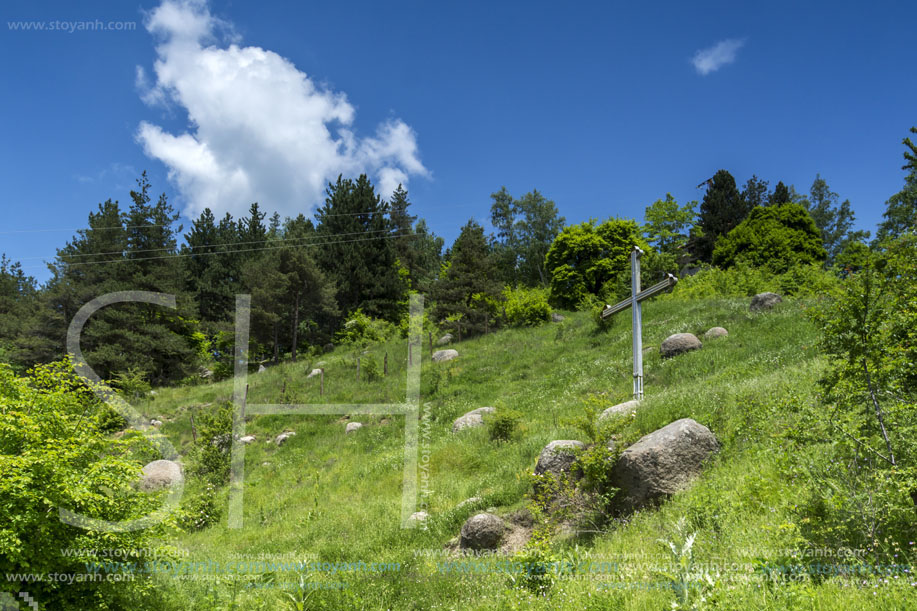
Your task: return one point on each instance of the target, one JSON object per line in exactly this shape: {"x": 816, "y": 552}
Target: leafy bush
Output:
{"x": 209, "y": 459}
{"x": 361, "y": 330}
{"x": 53, "y": 456}
{"x": 200, "y": 509}
{"x": 584, "y": 257}
{"x": 526, "y": 307}
{"x": 131, "y": 383}
{"x": 503, "y": 424}
{"x": 744, "y": 280}
{"x": 772, "y": 237}
{"x": 868, "y": 490}
{"x": 370, "y": 368}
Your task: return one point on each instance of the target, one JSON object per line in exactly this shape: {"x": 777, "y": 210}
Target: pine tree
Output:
{"x": 464, "y": 297}
{"x": 780, "y": 195}
{"x": 755, "y": 193}
{"x": 900, "y": 214}
{"x": 356, "y": 250}
{"x": 722, "y": 209}
{"x": 833, "y": 220}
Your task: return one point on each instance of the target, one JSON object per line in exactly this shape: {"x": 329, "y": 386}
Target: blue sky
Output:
{"x": 604, "y": 107}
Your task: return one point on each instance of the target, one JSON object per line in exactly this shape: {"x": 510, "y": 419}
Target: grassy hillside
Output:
{"x": 327, "y": 497}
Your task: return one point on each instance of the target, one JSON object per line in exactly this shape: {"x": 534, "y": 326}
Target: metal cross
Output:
{"x": 636, "y": 296}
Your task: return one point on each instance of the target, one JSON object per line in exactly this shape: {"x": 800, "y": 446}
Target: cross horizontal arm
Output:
{"x": 654, "y": 290}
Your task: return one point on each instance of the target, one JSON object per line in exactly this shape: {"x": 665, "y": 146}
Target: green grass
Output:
{"x": 324, "y": 496}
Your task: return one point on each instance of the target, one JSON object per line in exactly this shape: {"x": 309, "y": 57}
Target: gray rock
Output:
{"x": 679, "y": 344}
{"x": 352, "y": 427}
{"x": 557, "y": 457}
{"x": 206, "y": 373}
{"x": 621, "y": 409}
{"x": 161, "y": 474}
{"x": 419, "y": 516}
{"x": 247, "y": 439}
{"x": 556, "y": 317}
{"x": 282, "y": 438}
{"x": 441, "y": 356}
{"x": 313, "y": 373}
{"x": 261, "y": 368}
{"x": 468, "y": 421}
{"x": 715, "y": 332}
{"x": 662, "y": 463}
{"x": 445, "y": 339}
{"x": 764, "y": 301}
{"x": 155, "y": 422}
{"x": 482, "y": 531}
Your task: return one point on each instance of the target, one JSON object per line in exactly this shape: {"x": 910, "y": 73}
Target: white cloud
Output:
{"x": 712, "y": 59}
{"x": 260, "y": 129}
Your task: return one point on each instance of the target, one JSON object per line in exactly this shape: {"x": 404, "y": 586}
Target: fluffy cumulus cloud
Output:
{"x": 260, "y": 129}
{"x": 713, "y": 58}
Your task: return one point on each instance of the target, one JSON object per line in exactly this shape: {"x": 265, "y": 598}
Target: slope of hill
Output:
{"x": 322, "y": 511}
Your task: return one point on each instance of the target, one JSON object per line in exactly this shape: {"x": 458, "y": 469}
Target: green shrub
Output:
{"x": 361, "y": 330}
{"x": 526, "y": 307}
{"x": 53, "y": 457}
{"x": 370, "y": 368}
{"x": 744, "y": 280}
{"x": 772, "y": 237}
{"x": 209, "y": 459}
{"x": 503, "y": 424}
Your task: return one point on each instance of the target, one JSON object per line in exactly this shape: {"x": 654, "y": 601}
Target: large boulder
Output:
{"x": 313, "y": 373}
{"x": 715, "y": 332}
{"x": 441, "y": 356}
{"x": 679, "y": 343}
{"x": 445, "y": 339}
{"x": 482, "y": 531}
{"x": 555, "y": 317}
{"x": 764, "y": 301}
{"x": 160, "y": 474}
{"x": 662, "y": 463}
{"x": 558, "y": 456}
{"x": 621, "y": 409}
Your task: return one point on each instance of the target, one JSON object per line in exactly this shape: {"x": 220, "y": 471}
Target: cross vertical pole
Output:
{"x": 637, "y": 322}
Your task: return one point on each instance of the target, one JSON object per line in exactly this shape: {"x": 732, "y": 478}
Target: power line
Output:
{"x": 264, "y": 248}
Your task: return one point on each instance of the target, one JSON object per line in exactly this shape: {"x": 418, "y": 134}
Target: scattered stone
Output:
{"x": 153, "y": 393}
{"x": 472, "y": 419}
{"x": 557, "y": 457}
{"x": 678, "y": 344}
{"x": 161, "y": 474}
{"x": 715, "y": 332}
{"x": 206, "y": 373}
{"x": 156, "y": 423}
{"x": 282, "y": 438}
{"x": 482, "y": 531}
{"x": 353, "y": 426}
{"x": 441, "y": 356}
{"x": 555, "y": 317}
{"x": 261, "y": 368}
{"x": 662, "y": 463}
{"x": 419, "y": 516}
{"x": 764, "y": 301}
{"x": 621, "y": 409}
{"x": 314, "y": 373}
{"x": 247, "y": 439}
{"x": 445, "y": 339}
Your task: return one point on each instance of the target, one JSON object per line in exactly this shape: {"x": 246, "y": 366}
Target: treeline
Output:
{"x": 362, "y": 256}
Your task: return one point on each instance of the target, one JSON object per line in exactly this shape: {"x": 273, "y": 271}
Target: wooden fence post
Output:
{"x": 323, "y": 384}
{"x": 385, "y": 365}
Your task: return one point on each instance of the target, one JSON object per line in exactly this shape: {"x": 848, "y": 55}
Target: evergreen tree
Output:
{"x": 464, "y": 297}
{"x": 755, "y": 193}
{"x": 18, "y": 304}
{"x": 212, "y": 266}
{"x": 356, "y": 250}
{"x": 722, "y": 209}
{"x": 780, "y": 195}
